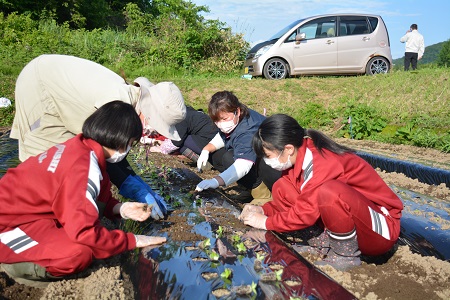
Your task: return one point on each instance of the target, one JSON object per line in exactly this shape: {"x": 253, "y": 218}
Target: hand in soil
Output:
{"x": 256, "y": 220}
{"x": 248, "y": 208}
{"x": 135, "y": 211}
{"x": 145, "y": 240}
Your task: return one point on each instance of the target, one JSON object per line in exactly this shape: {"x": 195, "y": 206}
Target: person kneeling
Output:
{"x": 324, "y": 183}
{"x": 52, "y": 203}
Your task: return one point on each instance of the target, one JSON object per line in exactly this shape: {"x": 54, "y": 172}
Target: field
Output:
{"x": 421, "y": 99}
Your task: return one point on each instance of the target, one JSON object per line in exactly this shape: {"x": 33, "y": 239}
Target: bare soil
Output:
{"x": 404, "y": 275}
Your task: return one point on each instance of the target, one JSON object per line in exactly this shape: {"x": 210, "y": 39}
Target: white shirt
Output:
{"x": 414, "y": 42}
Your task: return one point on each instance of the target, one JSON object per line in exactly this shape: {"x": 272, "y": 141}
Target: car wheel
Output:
{"x": 377, "y": 65}
{"x": 275, "y": 68}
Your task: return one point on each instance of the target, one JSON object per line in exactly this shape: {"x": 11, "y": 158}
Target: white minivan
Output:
{"x": 325, "y": 44}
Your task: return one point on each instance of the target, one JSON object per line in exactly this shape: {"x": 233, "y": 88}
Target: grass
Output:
{"x": 420, "y": 99}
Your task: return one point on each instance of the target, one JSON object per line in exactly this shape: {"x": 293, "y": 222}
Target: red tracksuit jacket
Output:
{"x": 294, "y": 205}
{"x": 63, "y": 183}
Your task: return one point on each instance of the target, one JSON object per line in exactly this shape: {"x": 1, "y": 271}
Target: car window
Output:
{"x": 373, "y": 23}
{"x": 352, "y": 25}
{"x": 318, "y": 28}
{"x": 284, "y": 30}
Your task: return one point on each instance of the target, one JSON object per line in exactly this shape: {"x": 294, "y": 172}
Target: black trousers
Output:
{"x": 411, "y": 58}
{"x": 260, "y": 172}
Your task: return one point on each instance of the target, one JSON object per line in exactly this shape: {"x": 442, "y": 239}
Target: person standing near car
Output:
{"x": 414, "y": 47}
{"x": 55, "y": 94}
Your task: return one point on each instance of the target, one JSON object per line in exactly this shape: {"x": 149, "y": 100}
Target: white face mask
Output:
{"x": 227, "y": 126}
{"x": 117, "y": 156}
{"x": 274, "y": 163}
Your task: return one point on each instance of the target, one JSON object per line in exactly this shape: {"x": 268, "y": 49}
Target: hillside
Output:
{"x": 430, "y": 56}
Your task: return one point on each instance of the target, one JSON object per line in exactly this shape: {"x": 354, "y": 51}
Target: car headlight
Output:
{"x": 262, "y": 50}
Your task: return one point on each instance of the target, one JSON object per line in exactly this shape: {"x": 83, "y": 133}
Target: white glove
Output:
{"x": 207, "y": 184}
{"x": 145, "y": 240}
{"x": 135, "y": 210}
{"x": 249, "y": 208}
{"x": 168, "y": 147}
{"x": 147, "y": 140}
{"x": 202, "y": 159}
{"x": 155, "y": 149}
{"x": 255, "y": 220}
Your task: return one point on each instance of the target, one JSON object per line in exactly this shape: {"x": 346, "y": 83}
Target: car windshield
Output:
{"x": 280, "y": 33}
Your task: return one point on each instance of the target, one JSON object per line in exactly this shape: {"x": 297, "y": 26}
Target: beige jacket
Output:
{"x": 56, "y": 93}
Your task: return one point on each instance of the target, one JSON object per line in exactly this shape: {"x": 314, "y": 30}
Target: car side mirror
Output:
{"x": 300, "y": 37}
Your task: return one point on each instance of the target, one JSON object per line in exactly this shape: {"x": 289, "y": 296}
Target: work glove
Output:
{"x": 145, "y": 240}
{"x": 155, "y": 149}
{"x": 255, "y": 220}
{"x": 202, "y": 159}
{"x": 207, "y": 184}
{"x": 160, "y": 200}
{"x": 248, "y": 208}
{"x": 135, "y": 211}
{"x": 135, "y": 188}
{"x": 167, "y": 147}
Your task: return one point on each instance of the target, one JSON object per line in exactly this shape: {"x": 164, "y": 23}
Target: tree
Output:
{"x": 444, "y": 55}
{"x": 91, "y": 14}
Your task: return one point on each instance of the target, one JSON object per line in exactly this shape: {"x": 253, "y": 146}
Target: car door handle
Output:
{"x": 330, "y": 42}
{"x": 366, "y": 38}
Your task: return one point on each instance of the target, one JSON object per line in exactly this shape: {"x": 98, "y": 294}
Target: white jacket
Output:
{"x": 414, "y": 42}
{"x": 54, "y": 96}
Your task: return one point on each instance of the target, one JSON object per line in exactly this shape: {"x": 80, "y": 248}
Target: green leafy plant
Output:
{"x": 235, "y": 238}
{"x": 219, "y": 232}
{"x": 260, "y": 256}
{"x": 214, "y": 256}
{"x": 279, "y": 273}
{"x": 205, "y": 244}
{"x": 227, "y": 273}
{"x": 363, "y": 121}
{"x": 241, "y": 247}
{"x": 254, "y": 286}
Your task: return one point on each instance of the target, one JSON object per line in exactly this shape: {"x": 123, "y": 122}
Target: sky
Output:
{"x": 260, "y": 19}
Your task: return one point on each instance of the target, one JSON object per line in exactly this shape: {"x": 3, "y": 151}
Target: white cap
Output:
{"x": 162, "y": 105}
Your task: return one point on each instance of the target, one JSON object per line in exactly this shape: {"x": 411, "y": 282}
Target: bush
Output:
{"x": 147, "y": 43}
{"x": 444, "y": 55}
{"x": 363, "y": 121}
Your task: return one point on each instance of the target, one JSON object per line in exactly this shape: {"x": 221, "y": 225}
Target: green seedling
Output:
{"x": 219, "y": 232}
{"x": 254, "y": 286}
{"x": 205, "y": 244}
{"x": 176, "y": 204}
{"x": 235, "y": 238}
{"x": 227, "y": 273}
{"x": 214, "y": 256}
{"x": 241, "y": 247}
{"x": 279, "y": 273}
{"x": 260, "y": 256}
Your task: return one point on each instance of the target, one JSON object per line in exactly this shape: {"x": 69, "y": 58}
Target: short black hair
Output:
{"x": 414, "y": 27}
{"x": 113, "y": 125}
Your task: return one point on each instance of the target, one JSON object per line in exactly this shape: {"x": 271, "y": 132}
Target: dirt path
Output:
{"x": 404, "y": 275}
